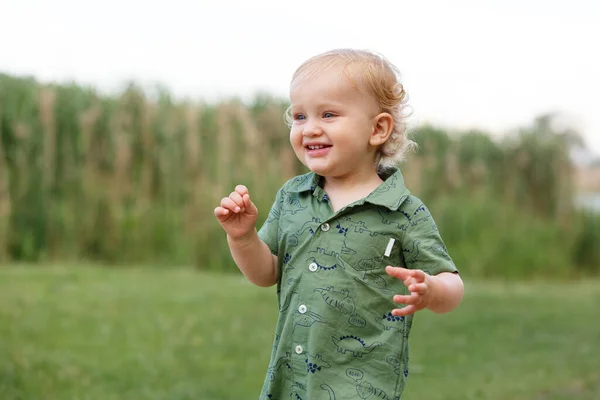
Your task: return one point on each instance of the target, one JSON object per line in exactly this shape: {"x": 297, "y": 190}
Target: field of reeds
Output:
{"x": 133, "y": 178}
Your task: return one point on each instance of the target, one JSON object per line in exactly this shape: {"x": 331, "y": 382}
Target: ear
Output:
{"x": 382, "y": 129}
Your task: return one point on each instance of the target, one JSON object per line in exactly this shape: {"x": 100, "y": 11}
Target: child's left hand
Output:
{"x": 419, "y": 285}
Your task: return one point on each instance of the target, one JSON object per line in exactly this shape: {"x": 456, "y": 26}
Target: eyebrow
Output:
{"x": 321, "y": 105}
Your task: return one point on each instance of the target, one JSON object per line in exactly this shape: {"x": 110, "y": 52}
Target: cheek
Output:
{"x": 295, "y": 137}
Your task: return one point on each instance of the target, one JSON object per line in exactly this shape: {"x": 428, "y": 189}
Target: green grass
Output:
{"x": 94, "y": 333}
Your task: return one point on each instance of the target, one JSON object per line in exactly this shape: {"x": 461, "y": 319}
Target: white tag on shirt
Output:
{"x": 388, "y": 249}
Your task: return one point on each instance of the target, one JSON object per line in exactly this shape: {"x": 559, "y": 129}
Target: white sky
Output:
{"x": 465, "y": 63}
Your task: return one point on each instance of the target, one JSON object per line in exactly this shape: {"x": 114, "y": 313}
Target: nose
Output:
{"x": 312, "y": 128}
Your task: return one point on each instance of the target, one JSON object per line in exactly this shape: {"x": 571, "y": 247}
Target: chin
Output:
{"x": 318, "y": 169}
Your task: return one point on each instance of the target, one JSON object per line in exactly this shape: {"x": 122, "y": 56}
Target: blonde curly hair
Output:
{"x": 382, "y": 79}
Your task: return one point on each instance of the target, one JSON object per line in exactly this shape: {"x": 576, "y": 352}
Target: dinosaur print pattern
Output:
{"x": 290, "y": 205}
{"x": 397, "y": 364}
{"x": 369, "y": 264}
{"x": 341, "y": 300}
{"x": 412, "y": 255}
{"x": 343, "y": 303}
{"x": 374, "y": 281}
{"x": 335, "y": 299}
{"x": 315, "y": 363}
{"x": 417, "y": 217}
{"x": 389, "y": 218}
{"x": 346, "y": 251}
{"x": 357, "y": 321}
{"x": 308, "y": 227}
{"x": 287, "y": 301}
{"x": 281, "y": 362}
{"x": 366, "y": 390}
{"x": 341, "y": 229}
{"x": 329, "y": 390}
{"x": 391, "y": 183}
{"x": 309, "y": 319}
{"x": 439, "y": 249}
{"x": 325, "y": 260}
{"x": 389, "y": 322}
{"x": 287, "y": 257}
{"x": 299, "y": 392}
{"x": 356, "y": 227}
{"x": 354, "y": 345}
{"x": 369, "y": 267}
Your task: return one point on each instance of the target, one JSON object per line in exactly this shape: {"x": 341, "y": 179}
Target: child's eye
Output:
{"x": 299, "y": 117}
{"x": 328, "y": 115}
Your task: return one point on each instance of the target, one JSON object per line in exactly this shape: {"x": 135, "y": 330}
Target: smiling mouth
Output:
{"x": 317, "y": 147}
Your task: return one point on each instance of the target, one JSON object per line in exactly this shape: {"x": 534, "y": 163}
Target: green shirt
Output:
{"x": 335, "y": 336}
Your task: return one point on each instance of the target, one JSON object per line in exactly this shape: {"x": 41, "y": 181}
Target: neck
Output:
{"x": 346, "y": 183}
{"x": 348, "y": 189}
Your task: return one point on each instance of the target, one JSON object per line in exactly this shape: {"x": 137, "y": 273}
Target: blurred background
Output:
{"x": 122, "y": 125}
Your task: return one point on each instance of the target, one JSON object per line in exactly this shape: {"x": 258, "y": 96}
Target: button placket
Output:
{"x": 314, "y": 266}
{"x": 302, "y": 308}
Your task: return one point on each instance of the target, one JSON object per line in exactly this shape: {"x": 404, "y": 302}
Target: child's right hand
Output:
{"x": 237, "y": 214}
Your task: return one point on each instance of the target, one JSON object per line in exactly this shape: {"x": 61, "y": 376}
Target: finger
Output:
{"x": 398, "y": 272}
{"x": 410, "y": 281}
{"x": 246, "y": 200}
{"x": 221, "y": 212}
{"x": 419, "y": 288}
{"x": 249, "y": 205}
{"x": 237, "y": 199}
{"x": 406, "y": 299}
{"x": 242, "y": 190}
{"x": 226, "y": 202}
{"x": 402, "y": 312}
{"x": 419, "y": 275}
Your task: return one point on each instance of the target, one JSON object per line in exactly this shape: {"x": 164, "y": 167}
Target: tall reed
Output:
{"x": 135, "y": 178}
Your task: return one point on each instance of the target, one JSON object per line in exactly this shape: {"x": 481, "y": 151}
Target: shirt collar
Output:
{"x": 391, "y": 193}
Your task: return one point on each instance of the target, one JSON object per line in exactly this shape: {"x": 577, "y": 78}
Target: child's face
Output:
{"x": 333, "y": 122}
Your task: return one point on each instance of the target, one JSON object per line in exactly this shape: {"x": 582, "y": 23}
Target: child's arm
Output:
{"x": 254, "y": 259}
{"x": 440, "y": 293}
{"x": 446, "y": 291}
{"x": 433, "y": 280}
{"x": 238, "y": 215}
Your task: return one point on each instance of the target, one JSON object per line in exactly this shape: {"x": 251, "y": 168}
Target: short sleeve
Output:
{"x": 423, "y": 247}
{"x": 269, "y": 231}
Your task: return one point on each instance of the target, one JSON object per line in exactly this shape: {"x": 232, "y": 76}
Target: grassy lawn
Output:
{"x": 92, "y": 333}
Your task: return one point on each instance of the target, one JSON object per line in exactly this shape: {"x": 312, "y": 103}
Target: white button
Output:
{"x": 325, "y": 227}
{"x": 299, "y": 349}
{"x": 302, "y": 308}
{"x": 312, "y": 267}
